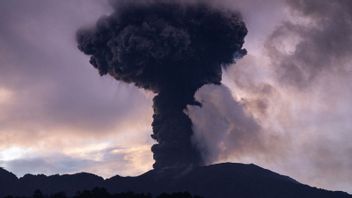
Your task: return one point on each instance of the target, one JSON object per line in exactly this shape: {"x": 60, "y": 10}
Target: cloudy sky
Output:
{"x": 285, "y": 106}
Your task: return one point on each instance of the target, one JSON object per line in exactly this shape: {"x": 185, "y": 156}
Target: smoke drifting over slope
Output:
{"x": 171, "y": 49}
{"x": 222, "y": 126}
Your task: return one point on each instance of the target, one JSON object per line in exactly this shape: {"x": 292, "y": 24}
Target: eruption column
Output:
{"x": 171, "y": 49}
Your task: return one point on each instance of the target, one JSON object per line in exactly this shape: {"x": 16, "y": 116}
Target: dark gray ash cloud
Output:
{"x": 172, "y": 49}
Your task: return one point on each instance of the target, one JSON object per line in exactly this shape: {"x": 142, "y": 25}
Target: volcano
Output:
{"x": 225, "y": 180}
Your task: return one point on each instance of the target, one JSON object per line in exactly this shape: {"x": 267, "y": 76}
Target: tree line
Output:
{"x": 103, "y": 193}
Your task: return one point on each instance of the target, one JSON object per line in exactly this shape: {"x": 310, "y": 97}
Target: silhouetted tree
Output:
{"x": 38, "y": 194}
{"x": 103, "y": 193}
{"x": 83, "y": 194}
{"x": 58, "y": 195}
{"x": 177, "y": 195}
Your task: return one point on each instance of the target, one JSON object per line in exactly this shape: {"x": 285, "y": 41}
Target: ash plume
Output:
{"x": 171, "y": 49}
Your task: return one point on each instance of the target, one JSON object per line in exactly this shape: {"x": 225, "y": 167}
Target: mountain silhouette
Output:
{"x": 8, "y": 182}
{"x": 227, "y": 180}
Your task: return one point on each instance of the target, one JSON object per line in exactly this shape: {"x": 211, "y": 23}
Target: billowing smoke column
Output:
{"x": 171, "y": 49}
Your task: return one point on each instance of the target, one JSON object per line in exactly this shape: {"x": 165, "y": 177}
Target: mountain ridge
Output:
{"x": 215, "y": 181}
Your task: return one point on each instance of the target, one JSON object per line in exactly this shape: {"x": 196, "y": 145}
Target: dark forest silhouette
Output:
{"x": 103, "y": 193}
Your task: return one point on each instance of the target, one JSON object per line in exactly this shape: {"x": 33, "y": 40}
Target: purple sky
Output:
{"x": 285, "y": 106}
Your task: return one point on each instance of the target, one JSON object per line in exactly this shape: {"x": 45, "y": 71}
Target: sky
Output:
{"x": 285, "y": 106}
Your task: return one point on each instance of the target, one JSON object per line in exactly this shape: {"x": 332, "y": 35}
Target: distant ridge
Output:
{"x": 226, "y": 180}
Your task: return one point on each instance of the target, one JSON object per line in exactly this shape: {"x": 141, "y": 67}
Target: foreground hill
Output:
{"x": 216, "y": 181}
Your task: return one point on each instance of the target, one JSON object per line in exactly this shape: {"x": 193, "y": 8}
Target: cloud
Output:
{"x": 42, "y": 84}
{"x": 46, "y": 76}
{"x": 5, "y": 96}
{"x": 319, "y": 37}
{"x": 52, "y": 102}
{"x": 103, "y": 162}
{"x": 46, "y": 165}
